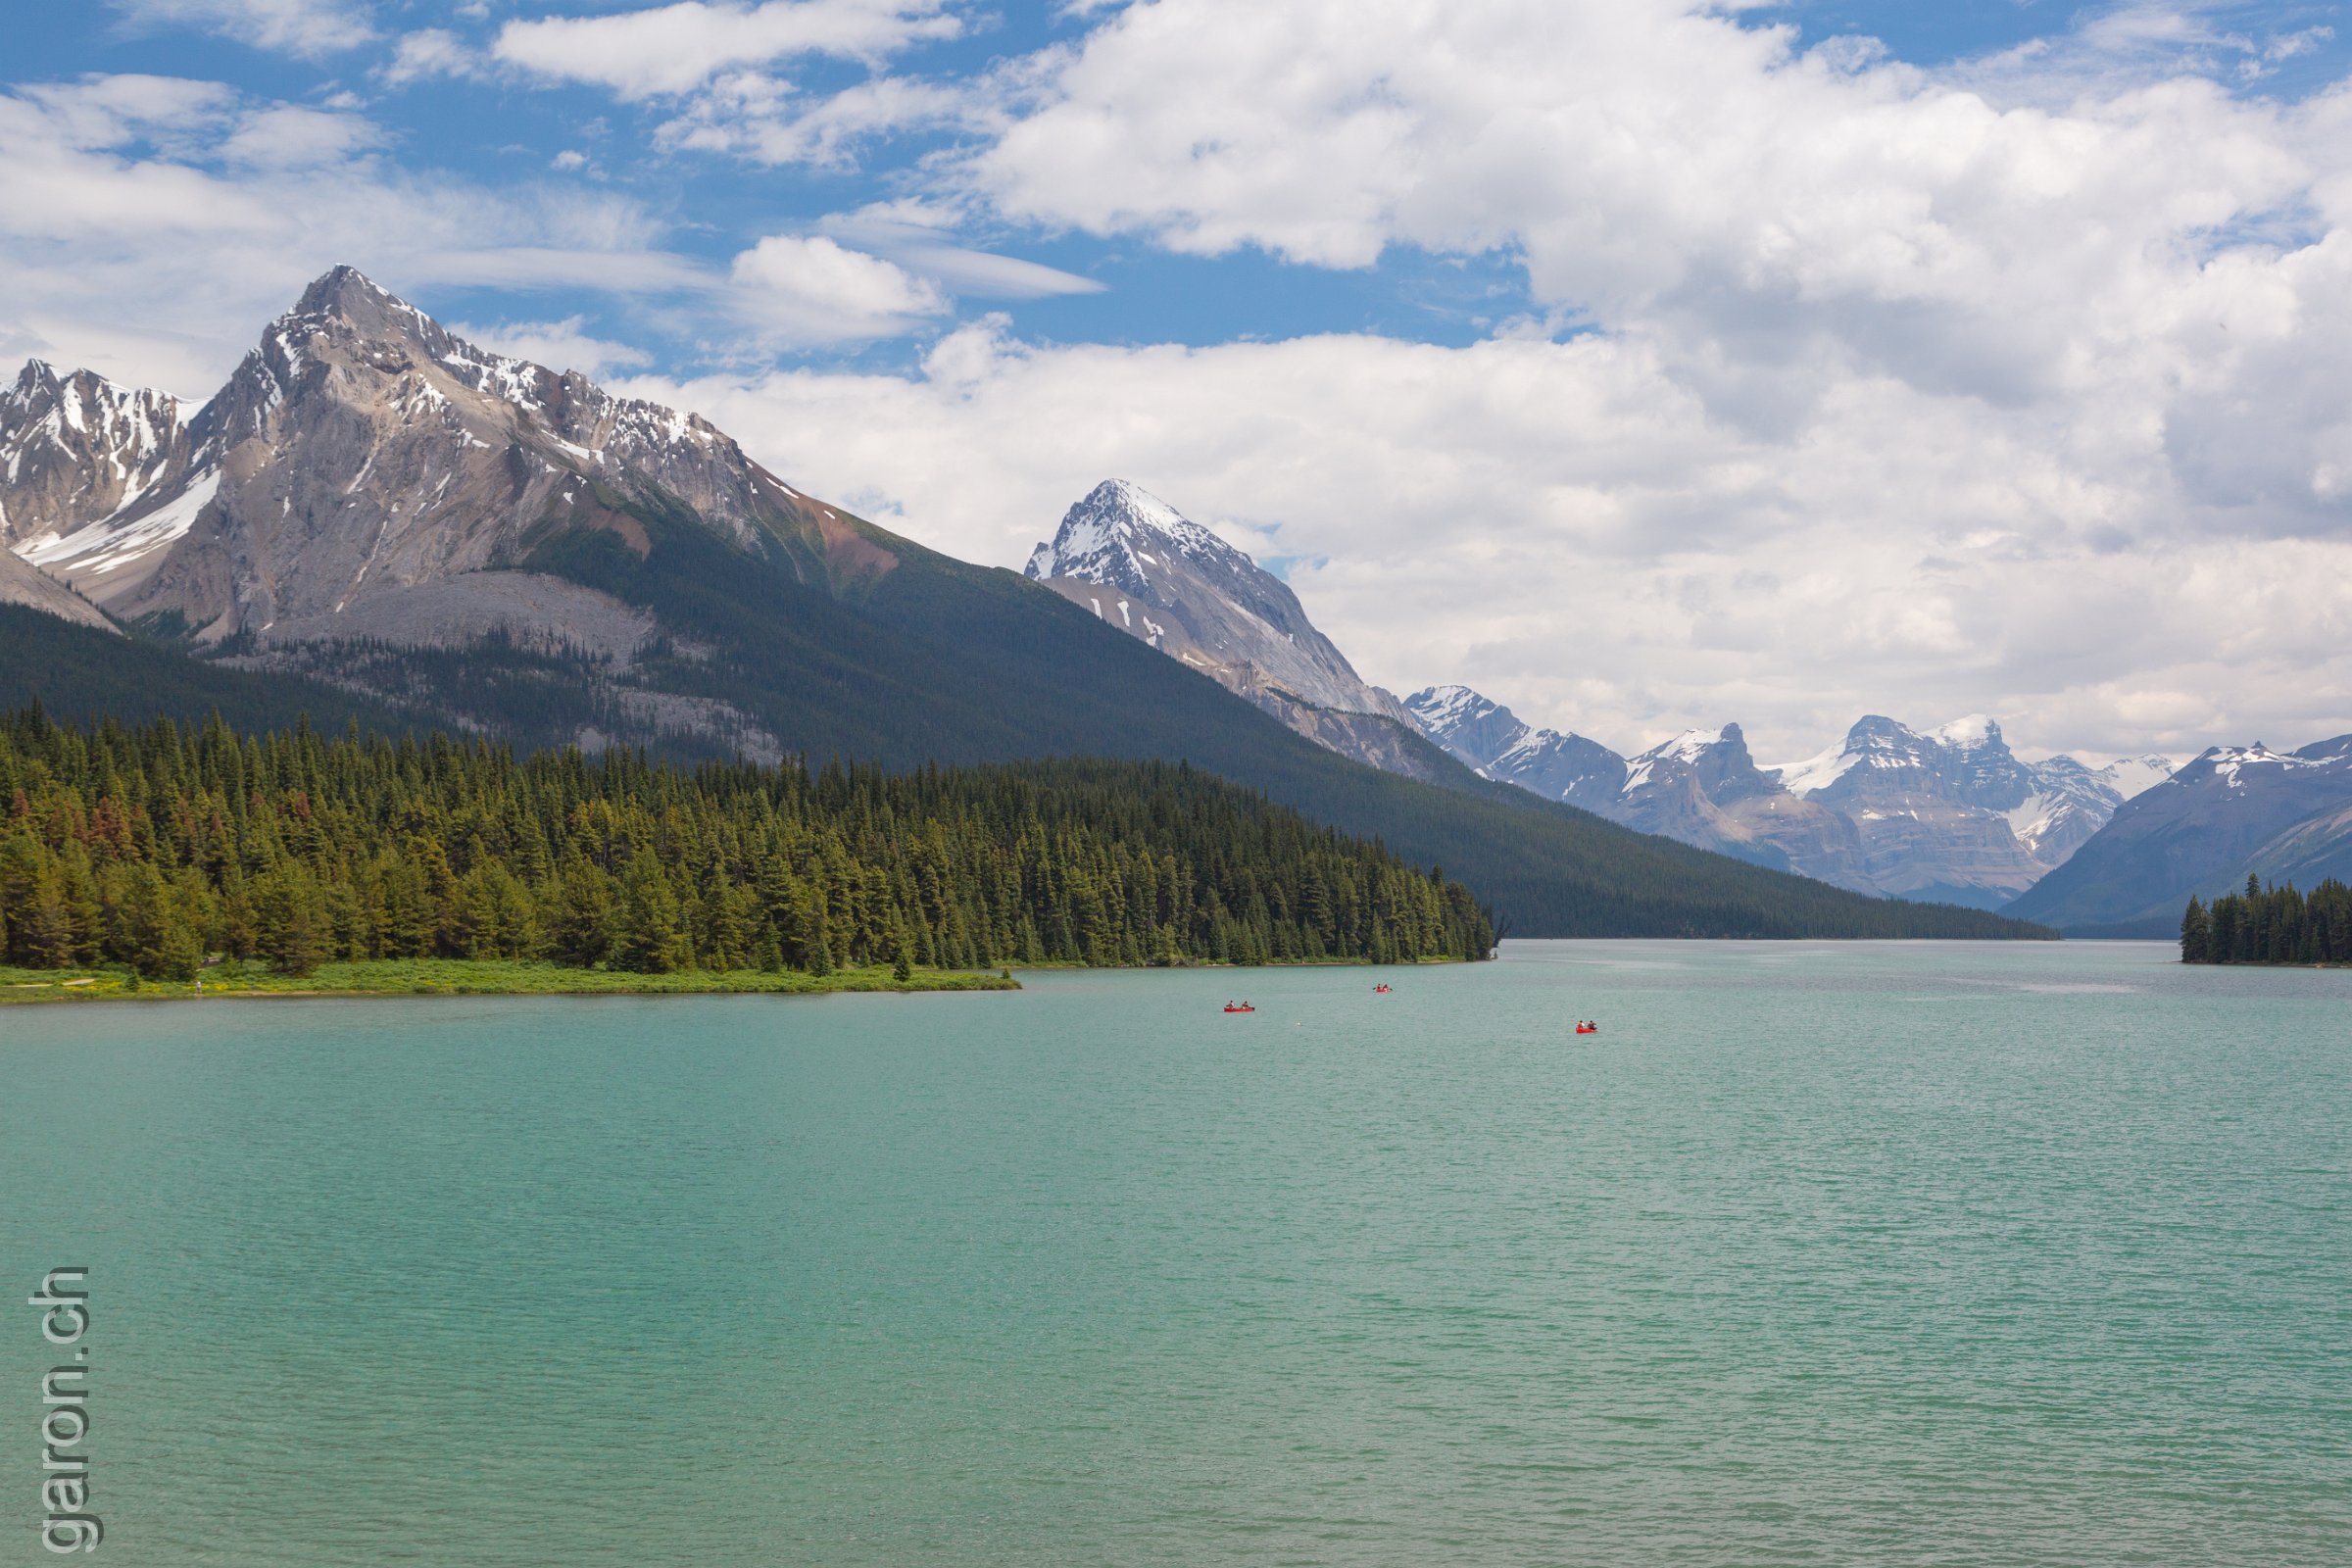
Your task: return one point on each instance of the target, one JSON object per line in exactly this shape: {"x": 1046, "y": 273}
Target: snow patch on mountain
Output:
{"x": 127, "y": 536}
{"x": 1815, "y": 774}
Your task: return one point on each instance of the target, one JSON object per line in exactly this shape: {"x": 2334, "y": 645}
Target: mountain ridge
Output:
{"x": 1947, "y": 813}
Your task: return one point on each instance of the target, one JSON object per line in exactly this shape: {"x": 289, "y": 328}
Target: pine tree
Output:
{"x": 2195, "y": 934}
{"x": 646, "y": 935}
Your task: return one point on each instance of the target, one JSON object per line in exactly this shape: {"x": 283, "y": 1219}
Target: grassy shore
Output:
{"x": 461, "y": 977}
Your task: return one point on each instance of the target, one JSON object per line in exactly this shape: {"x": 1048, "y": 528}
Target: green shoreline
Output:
{"x": 472, "y": 977}
{"x": 503, "y": 977}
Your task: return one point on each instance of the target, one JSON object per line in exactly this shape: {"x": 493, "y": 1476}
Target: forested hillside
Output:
{"x": 79, "y": 673}
{"x": 150, "y": 846}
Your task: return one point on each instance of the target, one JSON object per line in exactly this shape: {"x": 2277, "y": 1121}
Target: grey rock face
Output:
{"x": 1137, "y": 563}
{"x": 1952, "y": 813}
{"x": 362, "y": 450}
{"x": 1705, "y": 789}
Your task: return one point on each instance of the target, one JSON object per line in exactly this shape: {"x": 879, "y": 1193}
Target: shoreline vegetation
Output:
{"x": 2275, "y": 928}
{"x": 520, "y": 977}
{"x": 470, "y": 977}
{"x": 144, "y": 850}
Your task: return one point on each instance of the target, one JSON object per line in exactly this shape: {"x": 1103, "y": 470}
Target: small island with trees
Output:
{"x": 2271, "y": 925}
{"x": 164, "y": 858}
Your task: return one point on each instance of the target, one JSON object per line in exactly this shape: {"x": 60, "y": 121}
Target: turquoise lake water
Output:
{"x": 1818, "y": 1255}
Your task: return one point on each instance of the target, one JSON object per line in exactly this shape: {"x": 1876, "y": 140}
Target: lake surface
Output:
{"x": 1823, "y": 1255}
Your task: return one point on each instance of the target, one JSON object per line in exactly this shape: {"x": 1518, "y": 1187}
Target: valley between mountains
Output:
{"x": 373, "y": 520}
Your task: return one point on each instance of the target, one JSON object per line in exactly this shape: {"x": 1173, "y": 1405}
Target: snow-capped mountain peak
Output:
{"x": 1133, "y": 561}
{"x": 1489, "y": 737}
{"x": 1121, "y": 535}
{"x": 1476, "y": 729}
{"x": 1692, "y": 744}
{"x": 1443, "y": 708}
{"x": 75, "y": 447}
{"x": 2232, "y": 763}
{"x": 2129, "y": 776}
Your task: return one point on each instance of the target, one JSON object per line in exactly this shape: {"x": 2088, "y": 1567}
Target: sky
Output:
{"x": 1644, "y": 363}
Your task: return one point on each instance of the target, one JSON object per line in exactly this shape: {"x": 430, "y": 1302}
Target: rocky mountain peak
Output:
{"x": 1132, "y": 560}
{"x": 1473, "y": 727}
{"x": 344, "y": 290}
{"x": 1119, "y": 535}
{"x": 1717, "y": 760}
{"x": 360, "y": 449}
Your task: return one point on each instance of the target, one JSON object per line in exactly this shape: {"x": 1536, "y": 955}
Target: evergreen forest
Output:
{"x": 2271, "y": 925}
{"x": 157, "y": 846}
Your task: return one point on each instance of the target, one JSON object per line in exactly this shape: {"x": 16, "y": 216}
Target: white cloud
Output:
{"x": 922, "y": 239}
{"x": 677, "y": 48}
{"x": 757, "y": 117}
{"x": 306, "y": 27}
{"x": 289, "y": 136}
{"x": 564, "y": 344}
{"x": 426, "y": 53}
{"x": 808, "y": 289}
{"x": 2022, "y": 385}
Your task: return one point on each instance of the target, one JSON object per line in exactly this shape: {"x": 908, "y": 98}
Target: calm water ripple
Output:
{"x": 1818, "y": 1254}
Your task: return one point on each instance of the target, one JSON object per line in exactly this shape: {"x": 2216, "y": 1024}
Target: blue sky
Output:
{"x": 1648, "y": 363}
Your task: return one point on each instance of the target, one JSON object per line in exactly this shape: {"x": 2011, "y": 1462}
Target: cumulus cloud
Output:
{"x": 802, "y": 290}
{"x": 291, "y": 136}
{"x": 305, "y": 27}
{"x": 677, "y": 48}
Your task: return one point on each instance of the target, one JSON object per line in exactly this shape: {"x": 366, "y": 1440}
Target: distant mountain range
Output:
{"x": 1948, "y": 813}
{"x": 375, "y": 519}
